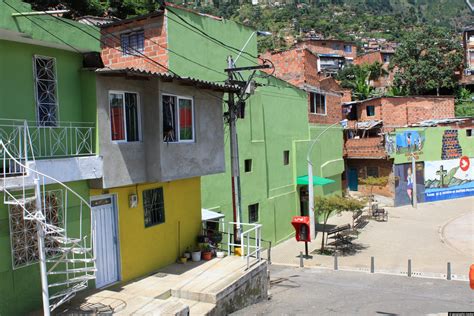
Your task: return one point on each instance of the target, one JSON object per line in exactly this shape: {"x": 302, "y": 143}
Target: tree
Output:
{"x": 374, "y": 182}
{"x": 464, "y": 103}
{"x": 426, "y": 61}
{"x": 325, "y": 207}
{"x": 358, "y": 77}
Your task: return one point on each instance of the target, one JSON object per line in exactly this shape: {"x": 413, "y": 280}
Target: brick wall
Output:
{"x": 368, "y": 59}
{"x": 369, "y": 147}
{"x": 385, "y": 170}
{"x": 407, "y": 110}
{"x": 155, "y": 45}
{"x": 298, "y": 66}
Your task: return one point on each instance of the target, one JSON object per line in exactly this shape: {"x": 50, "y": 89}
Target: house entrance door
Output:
{"x": 352, "y": 179}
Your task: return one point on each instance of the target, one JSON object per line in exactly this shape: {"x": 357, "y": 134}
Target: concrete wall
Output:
{"x": 151, "y": 159}
{"x": 146, "y": 249}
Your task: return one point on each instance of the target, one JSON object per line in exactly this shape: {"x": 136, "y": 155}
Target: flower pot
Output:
{"x": 220, "y": 254}
{"x": 207, "y": 255}
{"x": 196, "y": 256}
{"x": 183, "y": 259}
{"x": 187, "y": 255}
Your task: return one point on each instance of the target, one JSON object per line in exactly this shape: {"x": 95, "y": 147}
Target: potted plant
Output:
{"x": 183, "y": 259}
{"x": 216, "y": 237}
{"x": 187, "y": 254}
{"x": 206, "y": 252}
{"x": 196, "y": 255}
{"x": 220, "y": 253}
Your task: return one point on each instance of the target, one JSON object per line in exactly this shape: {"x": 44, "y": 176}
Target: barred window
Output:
{"x": 154, "y": 206}
{"x": 45, "y": 90}
{"x": 24, "y": 234}
{"x": 132, "y": 43}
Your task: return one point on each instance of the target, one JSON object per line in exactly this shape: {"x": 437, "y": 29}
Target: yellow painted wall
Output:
{"x": 144, "y": 250}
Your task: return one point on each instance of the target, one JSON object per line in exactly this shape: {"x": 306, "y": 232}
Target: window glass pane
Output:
{"x": 320, "y": 104}
{"x": 140, "y": 41}
{"x": 370, "y": 110}
{"x": 124, "y": 44}
{"x": 253, "y": 213}
{"x": 131, "y": 112}
{"x": 185, "y": 119}
{"x": 46, "y": 98}
{"x": 169, "y": 118}
{"x": 116, "y": 116}
{"x": 312, "y": 103}
{"x": 154, "y": 207}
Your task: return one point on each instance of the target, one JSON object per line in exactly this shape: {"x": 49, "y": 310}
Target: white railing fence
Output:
{"x": 250, "y": 241}
{"x": 62, "y": 140}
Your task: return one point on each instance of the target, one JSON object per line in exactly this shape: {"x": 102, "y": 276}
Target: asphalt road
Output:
{"x": 313, "y": 291}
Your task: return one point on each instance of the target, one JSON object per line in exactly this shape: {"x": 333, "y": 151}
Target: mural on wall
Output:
{"x": 410, "y": 143}
{"x": 404, "y": 183}
{"x": 449, "y": 179}
{"x": 450, "y": 147}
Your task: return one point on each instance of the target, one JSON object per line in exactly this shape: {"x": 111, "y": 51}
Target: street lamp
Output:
{"x": 312, "y": 222}
{"x": 259, "y": 33}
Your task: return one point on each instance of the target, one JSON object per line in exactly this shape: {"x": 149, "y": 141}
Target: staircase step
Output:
{"x": 76, "y": 260}
{"x": 68, "y": 291}
{"x": 71, "y": 250}
{"x": 77, "y": 270}
{"x": 82, "y": 278}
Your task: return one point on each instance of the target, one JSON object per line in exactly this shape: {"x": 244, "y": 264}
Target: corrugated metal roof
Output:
{"x": 167, "y": 76}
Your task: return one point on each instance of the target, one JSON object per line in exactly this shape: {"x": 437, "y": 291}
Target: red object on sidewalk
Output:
{"x": 301, "y": 225}
{"x": 471, "y": 277}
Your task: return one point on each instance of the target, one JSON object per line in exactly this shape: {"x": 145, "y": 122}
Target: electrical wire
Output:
{"x": 44, "y": 29}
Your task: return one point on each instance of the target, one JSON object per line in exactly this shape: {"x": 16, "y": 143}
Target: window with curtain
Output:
{"x": 124, "y": 116}
{"x": 178, "y": 119}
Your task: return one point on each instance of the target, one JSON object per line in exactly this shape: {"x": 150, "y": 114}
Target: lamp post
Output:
{"x": 312, "y": 221}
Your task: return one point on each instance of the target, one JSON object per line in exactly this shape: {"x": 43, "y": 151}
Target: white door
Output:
{"x": 104, "y": 223}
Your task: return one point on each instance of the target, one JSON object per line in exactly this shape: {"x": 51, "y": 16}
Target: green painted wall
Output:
{"x": 190, "y": 44}
{"x": 73, "y": 35}
{"x": 276, "y": 120}
{"x": 20, "y": 289}
{"x": 432, "y": 147}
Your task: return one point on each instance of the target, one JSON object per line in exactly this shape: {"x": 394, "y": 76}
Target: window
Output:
{"x": 317, "y": 103}
{"x": 286, "y": 157}
{"x": 372, "y": 172}
{"x": 248, "y": 165}
{"x": 178, "y": 119}
{"x": 348, "y": 48}
{"x": 386, "y": 58}
{"x": 370, "y": 110}
{"x": 154, "y": 207}
{"x": 253, "y": 213}
{"x": 45, "y": 90}
{"x": 132, "y": 43}
{"x": 469, "y": 132}
{"x": 24, "y": 234}
{"x": 124, "y": 116}
{"x": 336, "y": 46}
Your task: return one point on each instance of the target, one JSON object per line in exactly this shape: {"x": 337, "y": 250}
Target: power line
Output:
{"x": 215, "y": 40}
{"x": 44, "y": 29}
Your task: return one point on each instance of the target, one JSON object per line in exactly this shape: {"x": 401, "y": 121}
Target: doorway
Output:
{"x": 106, "y": 250}
{"x": 352, "y": 179}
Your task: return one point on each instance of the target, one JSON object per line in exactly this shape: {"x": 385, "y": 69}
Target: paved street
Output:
{"x": 315, "y": 291}
{"x": 431, "y": 236}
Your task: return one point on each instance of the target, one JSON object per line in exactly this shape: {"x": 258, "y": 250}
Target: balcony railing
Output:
{"x": 27, "y": 141}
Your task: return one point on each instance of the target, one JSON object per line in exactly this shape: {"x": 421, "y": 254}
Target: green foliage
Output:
{"x": 375, "y": 181}
{"x": 357, "y": 77}
{"x": 464, "y": 103}
{"x": 426, "y": 61}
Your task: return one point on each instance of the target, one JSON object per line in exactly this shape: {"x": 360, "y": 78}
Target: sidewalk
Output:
{"x": 431, "y": 236}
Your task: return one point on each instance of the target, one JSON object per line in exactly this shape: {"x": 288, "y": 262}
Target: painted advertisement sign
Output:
{"x": 410, "y": 143}
{"x": 404, "y": 184}
{"x": 449, "y": 179}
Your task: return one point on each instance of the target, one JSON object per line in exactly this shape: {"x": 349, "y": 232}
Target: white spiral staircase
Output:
{"x": 65, "y": 255}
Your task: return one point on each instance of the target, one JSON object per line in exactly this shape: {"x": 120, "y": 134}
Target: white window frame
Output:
{"x": 325, "y": 105}
{"x": 38, "y": 121}
{"x": 178, "y": 131}
{"x": 139, "y": 115}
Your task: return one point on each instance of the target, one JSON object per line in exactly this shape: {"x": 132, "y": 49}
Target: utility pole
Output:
{"x": 246, "y": 90}
{"x": 234, "y": 157}
{"x": 413, "y": 175}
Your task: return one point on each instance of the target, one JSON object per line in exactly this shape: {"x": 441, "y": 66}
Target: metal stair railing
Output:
{"x": 250, "y": 246}
{"x": 55, "y": 260}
